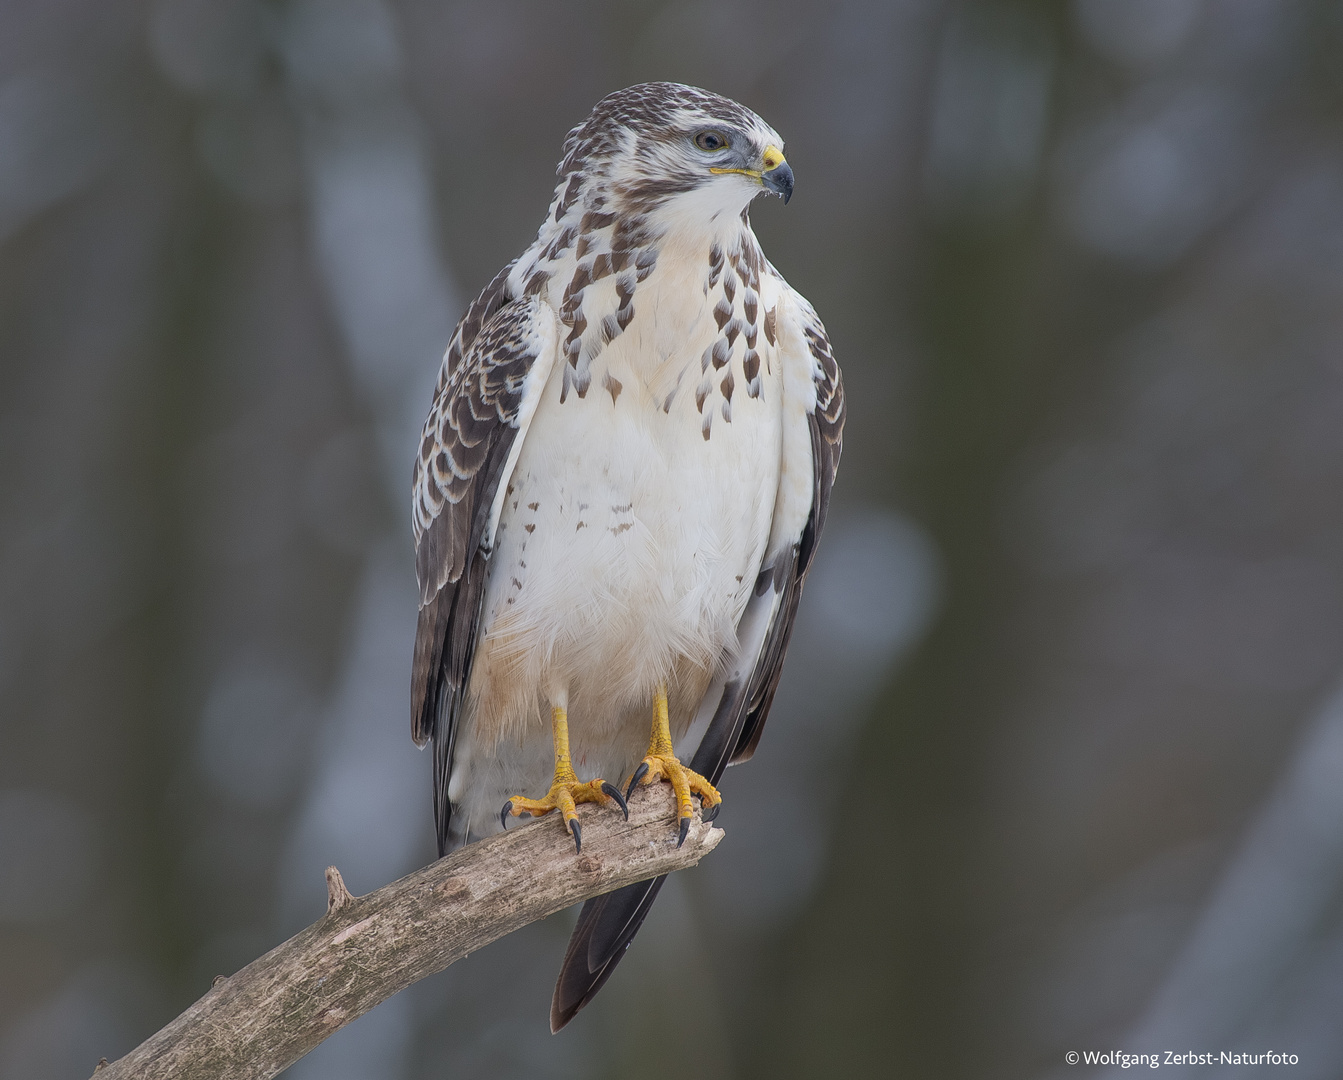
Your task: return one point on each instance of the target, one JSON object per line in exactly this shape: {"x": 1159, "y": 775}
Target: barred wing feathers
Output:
{"x": 492, "y": 379}
{"x": 809, "y": 359}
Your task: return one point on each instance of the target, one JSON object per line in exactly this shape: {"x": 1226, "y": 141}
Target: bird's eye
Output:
{"x": 710, "y": 140}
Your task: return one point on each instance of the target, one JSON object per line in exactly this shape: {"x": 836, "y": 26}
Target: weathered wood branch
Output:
{"x": 253, "y": 1024}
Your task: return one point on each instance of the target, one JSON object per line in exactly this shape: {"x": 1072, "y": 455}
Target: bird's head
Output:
{"x": 666, "y": 148}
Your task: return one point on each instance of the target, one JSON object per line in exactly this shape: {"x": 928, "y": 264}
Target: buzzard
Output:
{"x": 618, "y": 493}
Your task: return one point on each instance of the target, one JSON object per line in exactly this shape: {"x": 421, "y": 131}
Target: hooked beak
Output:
{"x": 774, "y": 175}
{"x": 779, "y": 180}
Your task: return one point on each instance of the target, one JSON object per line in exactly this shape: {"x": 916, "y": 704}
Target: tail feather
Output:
{"x": 606, "y": 926}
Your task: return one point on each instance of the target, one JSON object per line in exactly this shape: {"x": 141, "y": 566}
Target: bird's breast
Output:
{"x": 636, "y": 519}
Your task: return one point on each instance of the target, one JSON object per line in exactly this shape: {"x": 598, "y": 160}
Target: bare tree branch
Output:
{"x": 253, "y": 1024}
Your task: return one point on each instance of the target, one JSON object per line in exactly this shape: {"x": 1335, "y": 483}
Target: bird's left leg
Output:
{"x": 662, "y": 764}
{"x": 565, "y": 790}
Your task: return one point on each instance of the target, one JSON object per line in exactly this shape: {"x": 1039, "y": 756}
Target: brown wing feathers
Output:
{"x": 826, "y": 423}
{"x": 465, "y": 446}
{"x": 827, "y": 432}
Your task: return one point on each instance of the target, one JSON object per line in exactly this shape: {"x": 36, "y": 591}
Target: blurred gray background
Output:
{"x": 1065, "y": 699}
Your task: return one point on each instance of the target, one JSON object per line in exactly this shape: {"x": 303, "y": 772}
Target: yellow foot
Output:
{"x": 564, "y": 795}
{"x": 685, "y": 782}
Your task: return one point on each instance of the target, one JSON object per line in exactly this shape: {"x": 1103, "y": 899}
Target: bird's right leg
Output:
{"x": 566, "y": 791}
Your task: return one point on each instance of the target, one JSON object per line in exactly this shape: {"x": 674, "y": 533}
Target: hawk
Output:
{"x": 618, "y": 493}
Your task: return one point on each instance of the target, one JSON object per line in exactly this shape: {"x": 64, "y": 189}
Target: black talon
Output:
{"x": 614, "y": 792}
{"x": 503, "y": 814}
{"x": 639, "y": 774}
{"x": 711, "y": 813}
{"x": 685, "y": 831}
{"x": 578, "y": 836}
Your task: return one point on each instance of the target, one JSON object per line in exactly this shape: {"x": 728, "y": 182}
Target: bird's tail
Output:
{"x": 606, "y": 926}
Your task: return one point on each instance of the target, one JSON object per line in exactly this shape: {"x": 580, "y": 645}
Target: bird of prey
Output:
{"x": 618, "y": 493}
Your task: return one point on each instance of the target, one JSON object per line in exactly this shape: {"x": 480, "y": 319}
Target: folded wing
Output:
{"x": 492, "y": 379}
